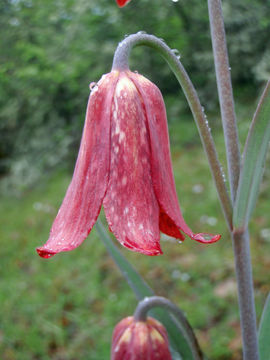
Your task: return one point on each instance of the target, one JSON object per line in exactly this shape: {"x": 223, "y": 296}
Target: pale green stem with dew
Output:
{"x": 240, "y": 239}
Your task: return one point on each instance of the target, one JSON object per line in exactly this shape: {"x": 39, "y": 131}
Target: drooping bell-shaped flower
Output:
{"x": 123, "y": 163}
{"x": 140, "y": 340}
{"x": 122, "y": 3}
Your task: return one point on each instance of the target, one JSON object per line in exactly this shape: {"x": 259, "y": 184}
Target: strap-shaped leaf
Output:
{"x": 253, "y": 161}
{"x": 137, "y": 284}
{"x": 264, "y": 331}
{"x": 182, "y": 345}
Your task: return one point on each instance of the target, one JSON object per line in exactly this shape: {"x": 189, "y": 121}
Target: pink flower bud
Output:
{"x": 123, "y": 164}
{"x": 139, "y": 340}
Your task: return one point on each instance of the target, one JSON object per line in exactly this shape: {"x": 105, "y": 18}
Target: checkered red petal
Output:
{"x": 161, "y": 166}
{"x": 83, "y": 199}
{"x": 130, "y": 204}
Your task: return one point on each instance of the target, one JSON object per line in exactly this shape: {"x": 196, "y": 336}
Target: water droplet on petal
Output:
{"x": 206, "y": 238}
{"x": 92, "y": 85}
{"x": 141, "y": 32}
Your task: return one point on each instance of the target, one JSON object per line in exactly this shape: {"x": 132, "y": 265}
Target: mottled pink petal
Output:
{"x": 159, "y": 340}
{"x": 82, "y": 202}
{"x": 167, "y": 226}
{"x": 140, "y": 340}
{"x": 130, "y": 204}
{"x": 140, "y": 347}
{"x": 161, "y": 166}
{"x": 120, "y": 329}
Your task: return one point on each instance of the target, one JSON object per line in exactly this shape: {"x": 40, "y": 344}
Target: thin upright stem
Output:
{"x": 245, "y": 295}
{"x": 121, "y": 63}
{"x": 240, "y": 239}
{"x": 225, "y": 92}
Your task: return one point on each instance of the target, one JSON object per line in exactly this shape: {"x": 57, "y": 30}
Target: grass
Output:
{"x": 65, "y": 308}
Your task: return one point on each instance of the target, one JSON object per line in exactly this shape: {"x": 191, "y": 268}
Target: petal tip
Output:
{"x": 45, "y": 253}
{"x": 206, "y": 238}
{"x": 150, "y": 252}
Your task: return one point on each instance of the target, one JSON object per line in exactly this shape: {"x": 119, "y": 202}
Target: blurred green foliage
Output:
{"x": 51, "y": 50}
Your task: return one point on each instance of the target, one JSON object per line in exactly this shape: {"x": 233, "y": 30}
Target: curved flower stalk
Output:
{"x": 122, "y": 3}
{"x": 140, "y": 340}
{"x": 124, "y": 163}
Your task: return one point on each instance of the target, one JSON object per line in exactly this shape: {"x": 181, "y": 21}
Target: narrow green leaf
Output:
{"x": 137, "y": 284}
{"x": 180, "y": 341}
{"x": 264, "y": 331}
{"x": 178, "y": 335}
{"x": 253, "y": 161}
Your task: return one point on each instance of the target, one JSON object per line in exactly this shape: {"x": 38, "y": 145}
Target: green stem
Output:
{"x": 148, "y": 303}
{"x": 240, "y": 239}
{"x": 225, "y": 92}
{"x": 245, "y": 295}
{"x": 121, "y": 63}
